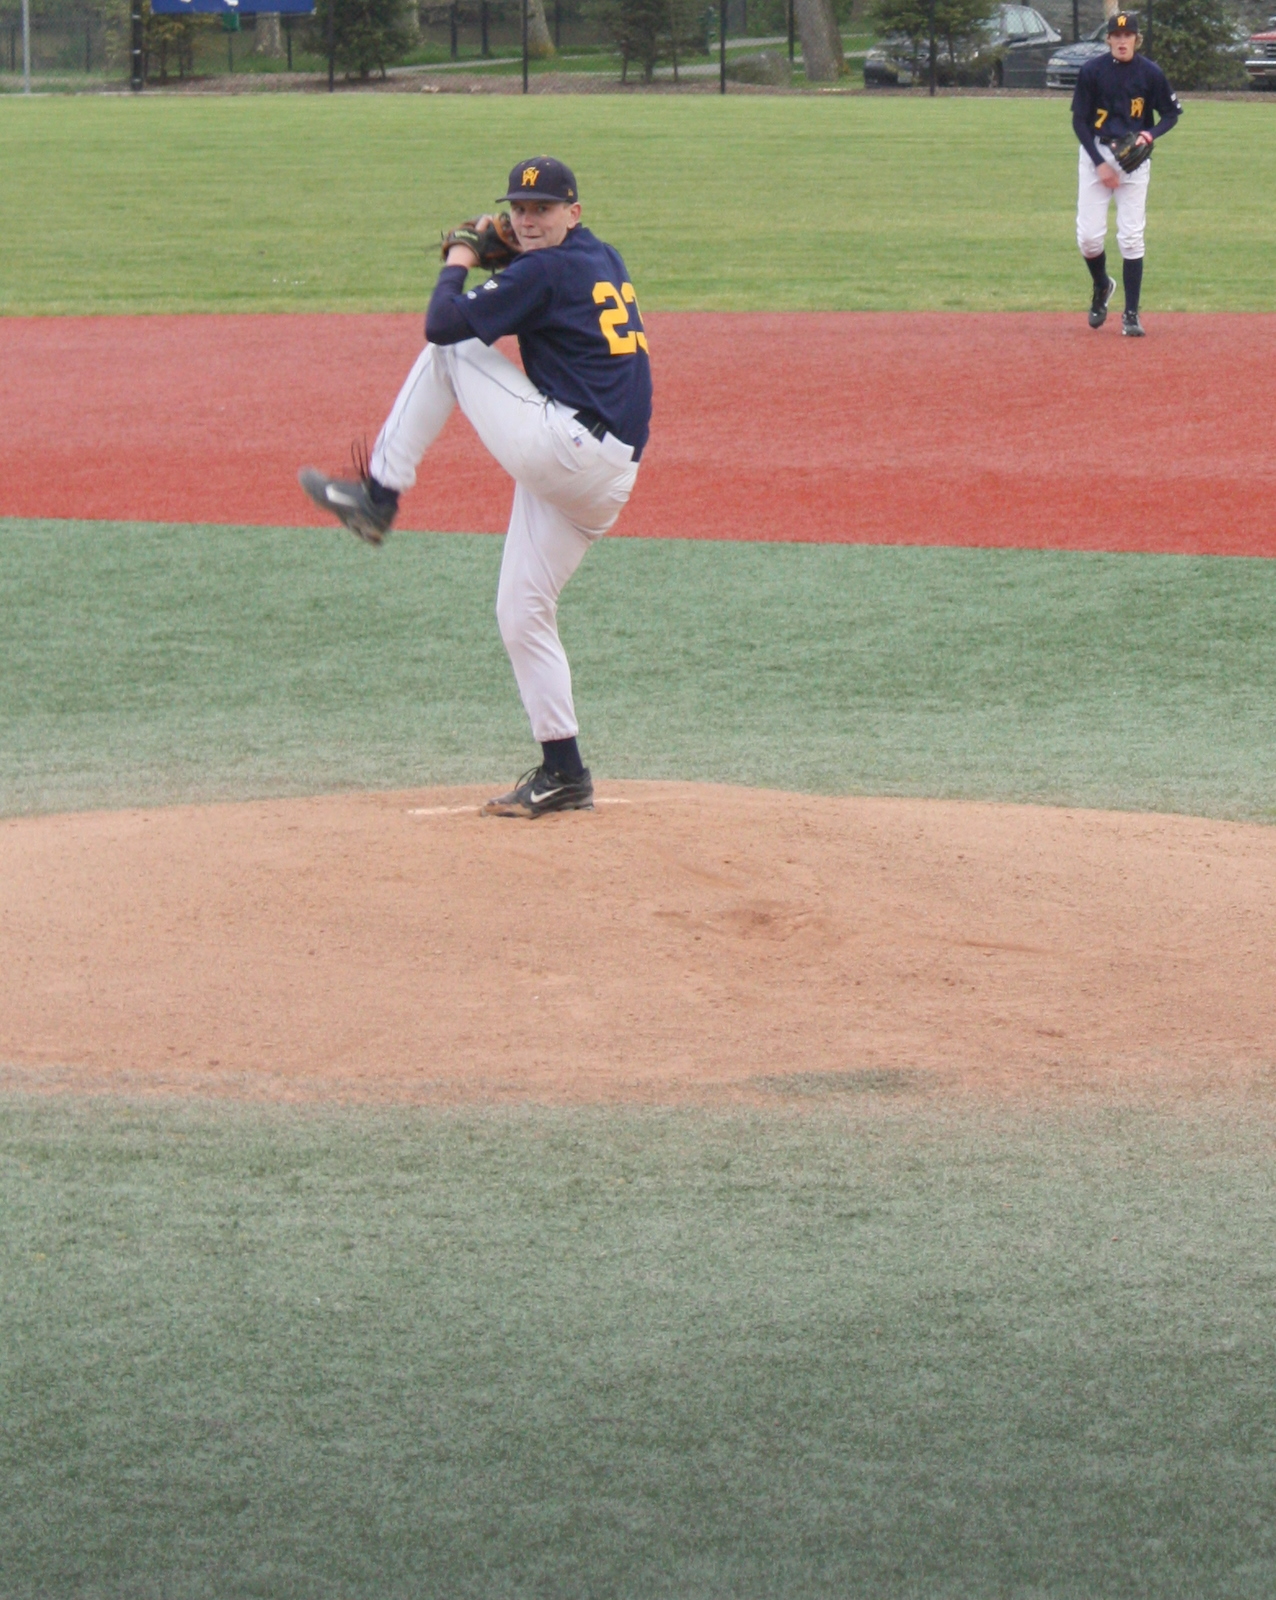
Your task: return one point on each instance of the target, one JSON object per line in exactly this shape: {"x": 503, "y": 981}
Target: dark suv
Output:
{"x": 1010, "y": 49}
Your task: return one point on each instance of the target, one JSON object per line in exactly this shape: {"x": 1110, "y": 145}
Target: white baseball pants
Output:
{"x": 1093, "y": 199}
{"x": 569, "y": 490}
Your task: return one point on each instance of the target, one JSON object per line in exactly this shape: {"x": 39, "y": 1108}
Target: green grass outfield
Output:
{"x": 317, "y": 203}
{"x": 875, "y": 1347}
{"x": 151, "y": 663}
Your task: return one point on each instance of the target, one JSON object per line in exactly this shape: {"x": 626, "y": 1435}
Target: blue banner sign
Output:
{"x": 219, "y": 8}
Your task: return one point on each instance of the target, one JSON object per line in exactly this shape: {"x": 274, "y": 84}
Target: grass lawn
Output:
{"x": 151, "y": 663}
{"x": 868, "y": 1348}
{"x": 311, "y": 202}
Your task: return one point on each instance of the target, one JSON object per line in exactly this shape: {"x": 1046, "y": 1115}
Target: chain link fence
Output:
{"x": 458, "y": 46}
{"x": 69, "y": 45}
{"x": 464, "y": 46}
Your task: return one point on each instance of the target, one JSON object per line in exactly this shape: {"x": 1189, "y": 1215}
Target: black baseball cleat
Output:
{"x": 1130, "y": 325}
{"x": 1099, "y": 302}
{"x": 539, "y": 792}
{"x": 361, "y": 503}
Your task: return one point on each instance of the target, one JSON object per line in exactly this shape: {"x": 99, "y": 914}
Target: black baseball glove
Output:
{"x": 1131, "y": 152}
{"x": 492, "y": 240}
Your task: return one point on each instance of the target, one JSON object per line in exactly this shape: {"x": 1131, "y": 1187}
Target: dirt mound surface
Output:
{"x": 681, "y": 943}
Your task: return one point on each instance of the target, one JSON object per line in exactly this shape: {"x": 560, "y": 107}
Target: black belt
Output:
{"x": 592, "y": 423}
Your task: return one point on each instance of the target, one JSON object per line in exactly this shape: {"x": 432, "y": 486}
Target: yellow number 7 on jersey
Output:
{"x": 616, "y": 314}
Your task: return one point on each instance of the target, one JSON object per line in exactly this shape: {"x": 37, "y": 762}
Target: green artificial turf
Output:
{"x": 335, "y": 203}
{"x": 883, "y": 1348}
{"x": 150, "y": 663}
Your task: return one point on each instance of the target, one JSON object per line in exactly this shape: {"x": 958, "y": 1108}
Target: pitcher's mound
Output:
{"x": 683, "y": 942}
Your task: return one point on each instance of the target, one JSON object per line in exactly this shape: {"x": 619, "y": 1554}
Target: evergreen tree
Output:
{"x": 647, "y": 32}
{"x": 367, "y": 35}
{"x": 1194, "y": 43}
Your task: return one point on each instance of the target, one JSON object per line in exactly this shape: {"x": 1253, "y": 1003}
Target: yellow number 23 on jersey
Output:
{"x": 617, "y": 303}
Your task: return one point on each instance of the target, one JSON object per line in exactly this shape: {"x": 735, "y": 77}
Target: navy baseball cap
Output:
{"x": 1123, "y": 22}
{"x": 543, "y": 178}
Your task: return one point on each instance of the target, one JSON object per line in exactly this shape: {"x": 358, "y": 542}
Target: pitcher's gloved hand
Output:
{"x": 492, "y": 240}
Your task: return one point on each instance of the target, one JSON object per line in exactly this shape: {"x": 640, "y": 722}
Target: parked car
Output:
{"x": 1011, "y": 49}
{"x": 1064, "y": 65}
{"x": 1260, "y": 58}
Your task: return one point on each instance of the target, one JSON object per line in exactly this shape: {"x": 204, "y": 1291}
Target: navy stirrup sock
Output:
{"x": 380, "y": 495}
{"x": 1098, "y": 266}
{"x": 1132, "y": 274}
{"x": 562, "y": 757}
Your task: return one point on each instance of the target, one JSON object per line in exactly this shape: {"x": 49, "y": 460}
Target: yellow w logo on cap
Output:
{"x": 530, "y": 175}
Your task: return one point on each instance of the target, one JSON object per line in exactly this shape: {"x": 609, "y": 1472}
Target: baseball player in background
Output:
{"x": 569, "y": 429}
{"x": 1112, "y": 115}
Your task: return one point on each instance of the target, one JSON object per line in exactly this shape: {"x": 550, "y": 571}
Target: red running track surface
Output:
{"x": 961, "y": 429}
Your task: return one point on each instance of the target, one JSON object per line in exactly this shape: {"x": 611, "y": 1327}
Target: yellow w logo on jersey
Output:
{"x": 1136, "y": 108}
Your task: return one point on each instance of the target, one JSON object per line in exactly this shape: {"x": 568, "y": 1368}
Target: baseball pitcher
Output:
{"x": 569, "y": 429}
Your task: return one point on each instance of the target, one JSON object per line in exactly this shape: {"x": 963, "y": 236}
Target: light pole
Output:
{"x": 139, "y": 72}
{"x": 26, "y": 46}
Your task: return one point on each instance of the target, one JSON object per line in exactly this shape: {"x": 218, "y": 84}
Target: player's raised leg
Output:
{"x": 504, "y": 406}
{"x": 499, "y": 400}
{"x": 542, "y": 445}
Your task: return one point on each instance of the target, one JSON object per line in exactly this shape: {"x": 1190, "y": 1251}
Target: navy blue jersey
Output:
{"x": 574, "y": 311}
{"x": 1115, "y": 98}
